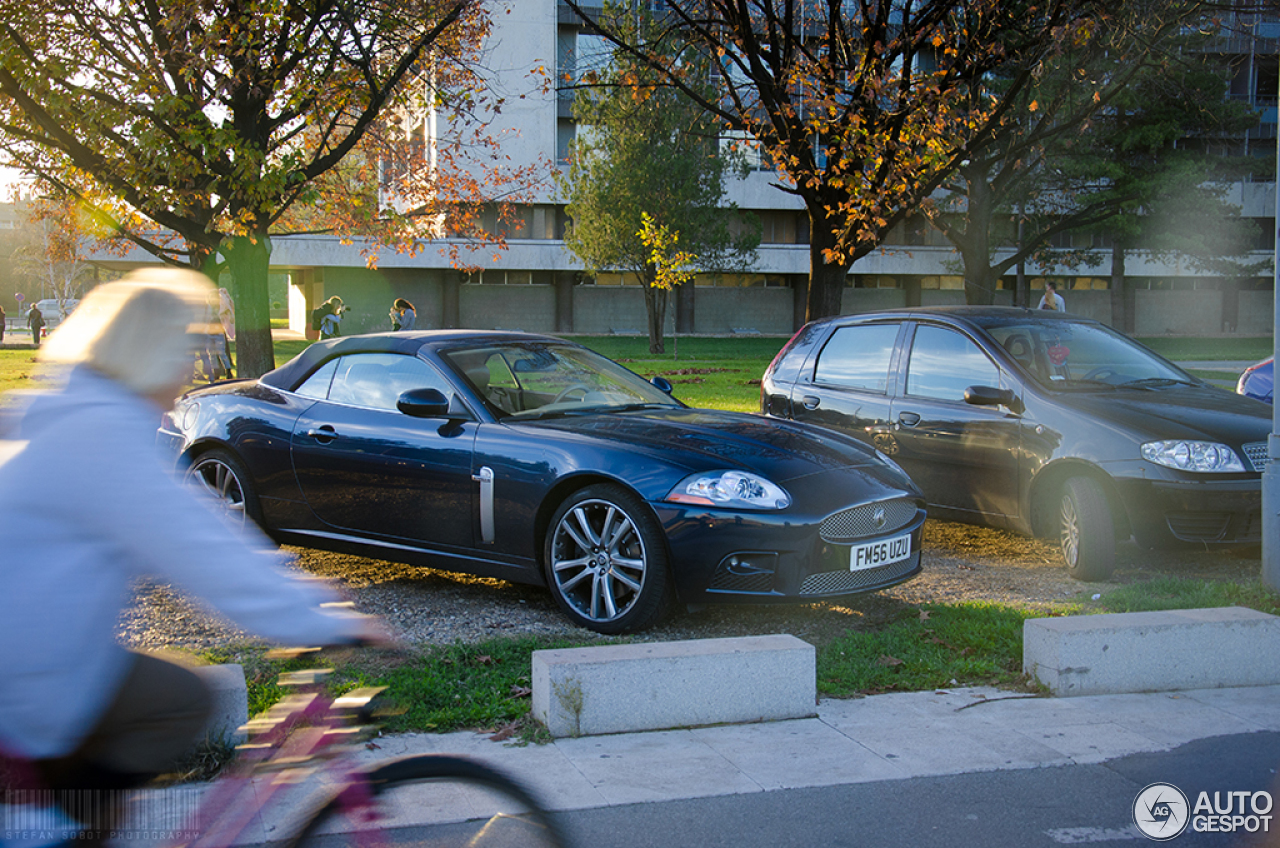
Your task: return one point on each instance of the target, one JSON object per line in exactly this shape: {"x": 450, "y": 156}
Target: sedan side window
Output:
{"x": 376, "y": 380}
{"x": 858, "y": 357}
{"x": 944, "y": 363}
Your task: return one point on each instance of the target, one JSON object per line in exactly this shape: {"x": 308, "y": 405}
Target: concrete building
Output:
{"x": 536, "y": 284}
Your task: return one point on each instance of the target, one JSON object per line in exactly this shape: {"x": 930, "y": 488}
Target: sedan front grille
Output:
{"x": 840, "y": 582}
{"x": 861, "y": 522}
{"x": 1257, "y": 455}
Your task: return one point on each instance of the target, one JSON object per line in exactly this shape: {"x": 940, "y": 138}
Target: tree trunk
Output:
{"x": 826, "y": 279}
{"x": 655, "y": 304}
{"x": 1119, "y": 307}
{"x": 685, "y": 319}
{"x": 980, "y": 284}
{"x": 247, "y": 259}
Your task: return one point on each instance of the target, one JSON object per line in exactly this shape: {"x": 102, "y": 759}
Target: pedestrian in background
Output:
{"x": 331, "y": 324}
{"x": 403, "y": 315}
{"x": 3, "y": 318}
{"x": 1052, "y": 300}
{"x": 35, "y": 321}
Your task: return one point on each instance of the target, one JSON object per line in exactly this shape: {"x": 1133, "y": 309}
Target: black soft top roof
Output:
{"x": 293, "y": 372}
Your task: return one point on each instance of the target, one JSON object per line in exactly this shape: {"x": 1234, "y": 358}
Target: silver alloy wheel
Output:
{"x": 598, "y": 560}
{"x": 1070, "y": 532}
{"x": 223, "y": 483}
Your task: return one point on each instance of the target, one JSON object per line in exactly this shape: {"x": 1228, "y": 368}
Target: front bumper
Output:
{"x": 1208, "y": 512}
{"x": 736, "y": 557}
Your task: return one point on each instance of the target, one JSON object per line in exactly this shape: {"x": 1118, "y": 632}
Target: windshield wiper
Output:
{"x": 632, "y": 407}
{"x": 1081, "y": 384}
{"x": 1156, "y": 382}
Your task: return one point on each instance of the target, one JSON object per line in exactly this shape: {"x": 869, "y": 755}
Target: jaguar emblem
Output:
{"x": 878, "y": 518}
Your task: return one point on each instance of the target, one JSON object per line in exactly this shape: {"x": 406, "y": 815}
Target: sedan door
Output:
{"x": 852, "y": 382}
{"x": 371, "y": 470}
{"x": 963, "y": 457}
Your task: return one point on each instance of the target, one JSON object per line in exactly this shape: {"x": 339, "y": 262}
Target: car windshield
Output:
{"x": 1071, "y": 355}
{"x": 523, "y": 380}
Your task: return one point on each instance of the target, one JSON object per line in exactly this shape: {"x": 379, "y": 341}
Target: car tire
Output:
{"x": 606, "y": 561}
{"x": 220, "y": 474}
{"x": 1086, "y": 530}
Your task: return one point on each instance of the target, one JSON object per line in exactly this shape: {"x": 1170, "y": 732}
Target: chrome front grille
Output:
{"x": 861, "y": 522}
{"x": 840, "y": 582}
{"x": 1257, "y": 455}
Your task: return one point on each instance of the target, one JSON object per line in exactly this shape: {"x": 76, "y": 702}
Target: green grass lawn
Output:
{"x": 1248, "y": 348}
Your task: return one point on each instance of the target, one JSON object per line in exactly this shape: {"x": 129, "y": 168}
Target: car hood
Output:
{"x": 710, "y": 438}
{"x": 1179, "y": 412}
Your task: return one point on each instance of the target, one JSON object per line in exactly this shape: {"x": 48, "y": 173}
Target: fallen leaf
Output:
{"x": 924, "y": 615}
{"x": 889, "y": 661}
{"x": 519, "y": 691}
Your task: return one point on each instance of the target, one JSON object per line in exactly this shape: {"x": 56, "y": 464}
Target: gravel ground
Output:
{"x": 433, "y": 607}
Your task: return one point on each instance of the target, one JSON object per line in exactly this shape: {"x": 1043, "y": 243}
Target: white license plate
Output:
{"x": 876, "y": 554}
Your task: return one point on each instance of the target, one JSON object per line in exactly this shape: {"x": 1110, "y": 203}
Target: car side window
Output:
{"x": 376, "y": 380}
{"x": 317, "y": 385}
{"x": 944, "y": 363}
{"x": 858, "y": 357}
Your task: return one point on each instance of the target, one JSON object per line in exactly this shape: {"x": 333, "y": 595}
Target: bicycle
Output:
{"x": 310, "y": 737}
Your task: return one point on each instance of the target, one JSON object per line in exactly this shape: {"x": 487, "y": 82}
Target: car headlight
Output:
{"x": 1186, "y": 455}
{"x": 733, "y": 489}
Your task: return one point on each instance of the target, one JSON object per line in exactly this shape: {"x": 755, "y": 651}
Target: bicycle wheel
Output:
{"x": 464, "y": 801}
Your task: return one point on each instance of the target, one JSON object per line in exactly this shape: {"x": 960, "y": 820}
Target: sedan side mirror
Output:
{"x": 424, "y": 403}
{"x": 992, "y": 396}
{"x": 663, "y": 384}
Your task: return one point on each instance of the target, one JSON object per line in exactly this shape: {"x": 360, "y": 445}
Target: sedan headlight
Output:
{"x": 732, "y": 489}
{"x": 1192, "y": 456}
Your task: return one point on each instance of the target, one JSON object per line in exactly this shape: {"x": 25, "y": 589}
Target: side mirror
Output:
{"x": 663, "y": 384}
{"x": 424, "y": 403}
{"x": 991, "y": 396}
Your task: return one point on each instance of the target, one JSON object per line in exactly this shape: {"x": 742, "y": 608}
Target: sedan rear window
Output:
{"x": 858, "y": 357}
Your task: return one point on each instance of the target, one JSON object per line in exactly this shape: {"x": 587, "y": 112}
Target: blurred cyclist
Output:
{"x": 88, "y": 503}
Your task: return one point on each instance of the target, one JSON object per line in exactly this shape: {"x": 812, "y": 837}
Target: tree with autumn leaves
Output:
{"x": 645, "y": 186}
{"x": 194, "y": 128}
{"x": 862, "y": 105}
{"x": 1099, "y": 138}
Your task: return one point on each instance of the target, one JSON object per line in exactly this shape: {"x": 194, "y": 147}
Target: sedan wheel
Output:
{"x": 606, "y": 561}
{"x": 1086, "y": 530}
{"x": 220, "y": 474}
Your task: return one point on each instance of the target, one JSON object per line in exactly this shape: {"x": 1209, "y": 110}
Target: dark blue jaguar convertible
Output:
{"x": 533, "y": 459}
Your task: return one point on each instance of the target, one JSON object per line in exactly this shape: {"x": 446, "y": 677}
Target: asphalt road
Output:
{"x": 1073, "y": 805}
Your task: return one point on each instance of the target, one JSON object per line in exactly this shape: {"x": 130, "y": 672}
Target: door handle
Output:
{"x": 810, "y": 402}
{"x": 908, "y": 419}
{"x": 323, "y": 433}
{"x": 485, "y": 479}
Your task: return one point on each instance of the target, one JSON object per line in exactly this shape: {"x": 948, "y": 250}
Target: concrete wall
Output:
{"x": 1192, "y": 313}
{"x": 600, "y": 310}
{"x": 529, "y": 308}
{"x": 1257, "y": 313}
{"x": 871, "y": 300}
{"x": 724, "y": 310}
{"x": 1088, "y": 303}
{"x": 604, "y": 310}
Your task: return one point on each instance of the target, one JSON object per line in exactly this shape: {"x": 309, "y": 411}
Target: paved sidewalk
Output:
{"x": 880, "y": 738}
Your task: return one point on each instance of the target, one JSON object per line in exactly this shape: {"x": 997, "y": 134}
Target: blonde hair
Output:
{"x": 135, "y": 330}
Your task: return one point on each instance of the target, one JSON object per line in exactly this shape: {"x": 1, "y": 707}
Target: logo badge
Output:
{"x": 1161, "y": 812}
{"x": 878, "y": 518}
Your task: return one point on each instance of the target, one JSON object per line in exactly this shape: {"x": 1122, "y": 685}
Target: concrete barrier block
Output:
{"x": 230, "y": 701}
{"x": 662, "y": 685}
{"x": 1153, "y": 651}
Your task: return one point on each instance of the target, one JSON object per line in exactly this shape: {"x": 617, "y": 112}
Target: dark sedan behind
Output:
{"x": 1037, "y": 422}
